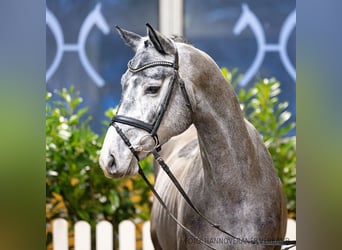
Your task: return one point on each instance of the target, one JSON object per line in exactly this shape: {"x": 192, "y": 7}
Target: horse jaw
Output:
{"x": 113, "y": 164}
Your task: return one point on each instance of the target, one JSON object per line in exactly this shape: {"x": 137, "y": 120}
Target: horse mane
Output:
{"x": 180, "y": 39}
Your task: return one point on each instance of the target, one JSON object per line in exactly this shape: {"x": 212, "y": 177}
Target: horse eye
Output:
{"x": 146, "y": 43}
{"x": 152, "y": 90}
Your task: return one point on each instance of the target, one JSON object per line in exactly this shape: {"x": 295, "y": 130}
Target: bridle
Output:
{"x": 152, "y": 129}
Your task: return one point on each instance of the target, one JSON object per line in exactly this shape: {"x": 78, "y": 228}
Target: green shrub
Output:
{"x": 263, "y": 109}
{"x": 76, "y": 188}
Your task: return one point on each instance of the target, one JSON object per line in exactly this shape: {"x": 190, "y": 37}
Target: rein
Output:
{"x": 152, "y": 130}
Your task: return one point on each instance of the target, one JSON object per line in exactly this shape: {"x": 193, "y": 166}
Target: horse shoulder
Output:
{"x": 180, "y": 154}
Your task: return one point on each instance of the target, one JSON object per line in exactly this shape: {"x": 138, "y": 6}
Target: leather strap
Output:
{"x": 185, "y": 94}
{"x": 162, "y": 203}
{"x": 149, "y": 65}
{"x": 155, "y": 193}
{"x": 174, "y": 180}
{"x": 132, "y": 122}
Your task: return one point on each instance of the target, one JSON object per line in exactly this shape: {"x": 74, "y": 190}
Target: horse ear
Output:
{"x": 130, "y": 38}
{"x": 163, "y": 44}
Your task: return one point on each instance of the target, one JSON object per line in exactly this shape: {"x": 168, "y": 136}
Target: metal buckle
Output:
{"x": 144, "y": 141}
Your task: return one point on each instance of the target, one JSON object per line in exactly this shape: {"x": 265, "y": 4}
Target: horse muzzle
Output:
{"x": 111, "y": 169}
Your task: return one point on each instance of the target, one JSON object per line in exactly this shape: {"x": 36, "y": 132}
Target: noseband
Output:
{"x": 153, "y": 128}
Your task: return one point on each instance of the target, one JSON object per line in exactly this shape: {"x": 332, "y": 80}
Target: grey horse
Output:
{"x": 217, "y": 156}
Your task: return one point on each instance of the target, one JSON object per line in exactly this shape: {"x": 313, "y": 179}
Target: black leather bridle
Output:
{"x": 152, "y": 129}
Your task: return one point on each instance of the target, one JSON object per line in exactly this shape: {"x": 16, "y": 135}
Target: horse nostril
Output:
{"x": 112, "y": 162}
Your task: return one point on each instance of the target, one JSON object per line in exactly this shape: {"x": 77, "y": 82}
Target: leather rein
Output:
{"x": 152, "y": 130}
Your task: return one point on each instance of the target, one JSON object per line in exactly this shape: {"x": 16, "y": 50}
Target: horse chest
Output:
{"x": 163, "y": 226}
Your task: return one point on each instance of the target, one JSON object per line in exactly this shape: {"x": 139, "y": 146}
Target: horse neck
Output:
{"x": 226, "y": 148}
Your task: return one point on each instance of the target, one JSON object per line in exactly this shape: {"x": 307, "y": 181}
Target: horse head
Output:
{"x": 152, "y": 108}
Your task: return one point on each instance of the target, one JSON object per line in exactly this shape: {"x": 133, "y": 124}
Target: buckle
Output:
{"x": 145, "y": 141}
